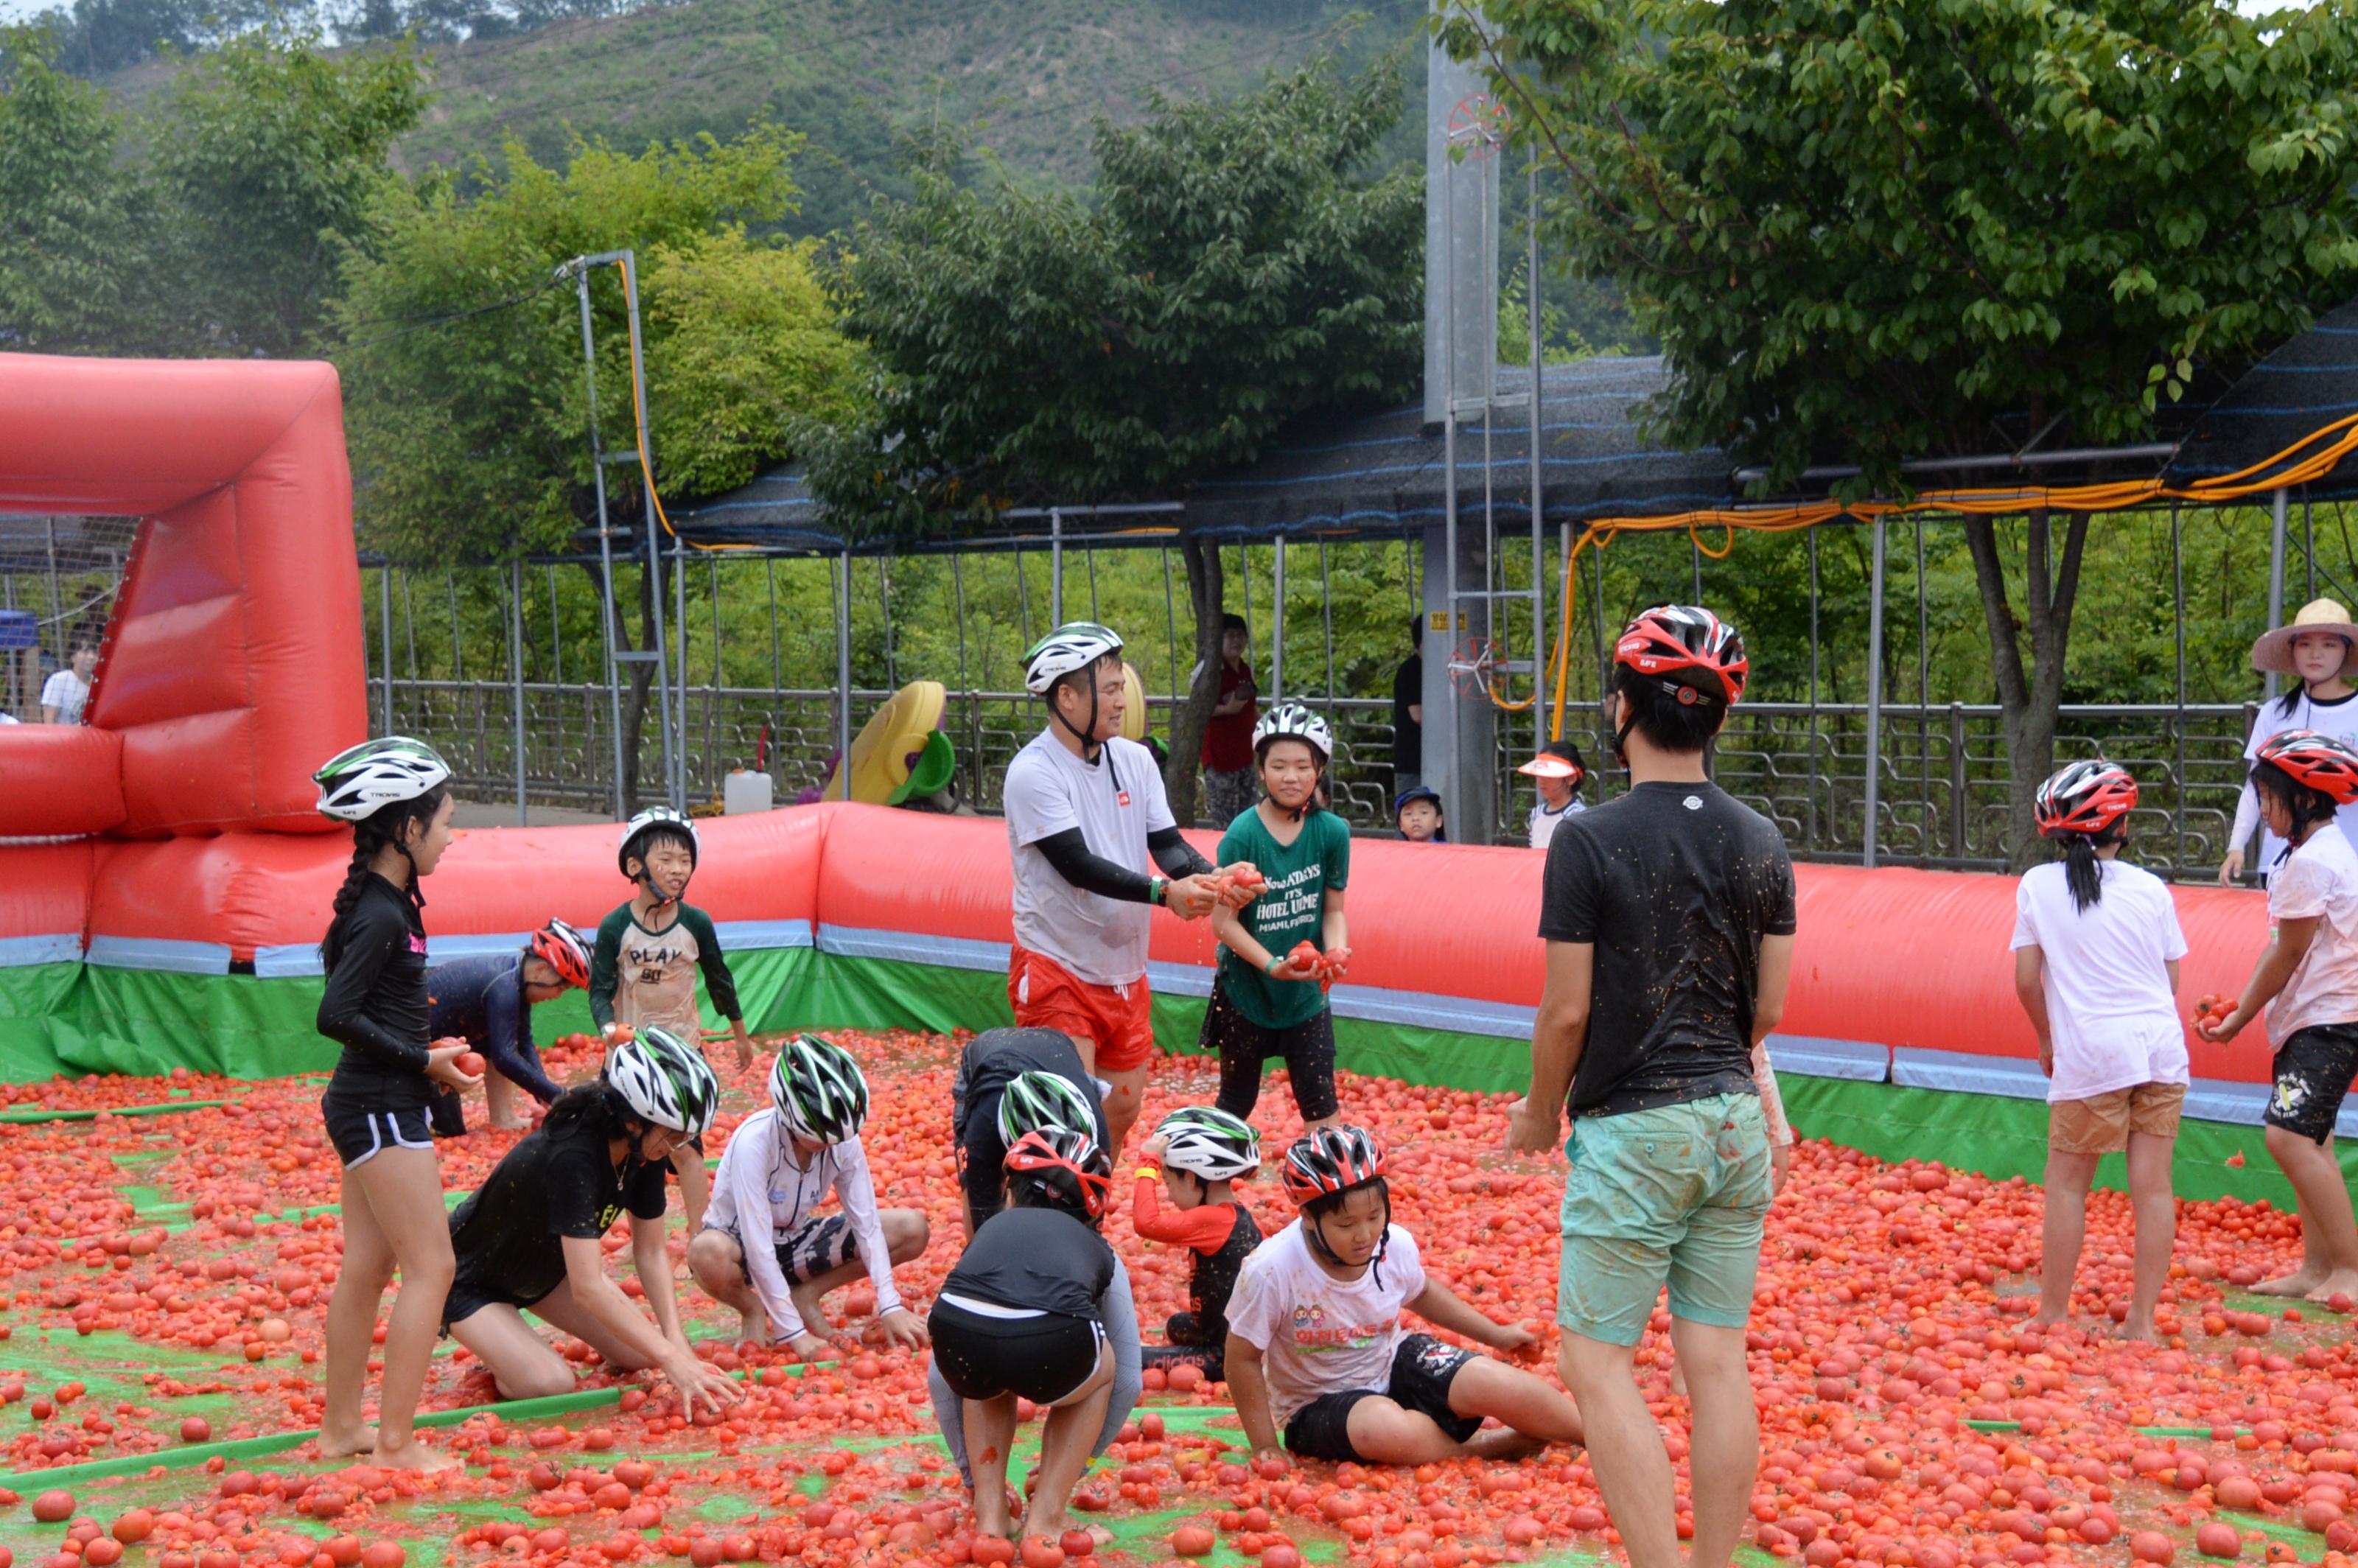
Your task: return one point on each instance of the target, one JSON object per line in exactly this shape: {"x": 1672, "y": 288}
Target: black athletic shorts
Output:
{"x": 1243, "y": 1046}
{"x": 466, "y": 1300}
{"x": 360, "y": 1134}
{"x": 817, "y": 1247}
{"x": 2312, "y": 1070}
{"x": 1041, "y": 1358}
{"x": 1423, "y": 1369}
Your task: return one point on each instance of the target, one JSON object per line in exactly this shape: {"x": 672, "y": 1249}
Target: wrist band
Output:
{"x": 1149, "y": 1173}
{"x": 1270, "y": 967}
{"x": 1158, "y": 889}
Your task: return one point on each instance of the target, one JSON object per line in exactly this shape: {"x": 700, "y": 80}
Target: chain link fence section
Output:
{"x": 59, "y": 576}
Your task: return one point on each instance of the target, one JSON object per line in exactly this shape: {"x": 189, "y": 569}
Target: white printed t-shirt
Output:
{"x": 66, "y": 692}
{"x": 1319, "y": 1335}
{"x": 1543, "y": 821}
{"x": 1115, "y": 802}
{"x": 2320, "y": 879}
{"x": 2109, "y": 1006}
{"x": 2338, "y": 718}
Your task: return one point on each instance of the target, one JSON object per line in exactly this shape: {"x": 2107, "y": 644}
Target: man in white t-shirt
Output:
{"x": 2096, "y": 944}
{"x": 64, "y": 694}
{"x": 1095, "y": 848}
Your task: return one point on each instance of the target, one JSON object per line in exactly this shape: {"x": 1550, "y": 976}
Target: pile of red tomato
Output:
{"x": 1911, "y": 1414}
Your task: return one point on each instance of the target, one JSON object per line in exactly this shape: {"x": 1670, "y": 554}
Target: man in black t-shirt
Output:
{"x": 1408, "y": 714}
{"x": 992, "y": 1060}
{"x": 1669, "y": 919}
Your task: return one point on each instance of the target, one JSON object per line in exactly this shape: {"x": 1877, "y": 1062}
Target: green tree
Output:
{"x": 462, "y": 346}
{"x": 1867, "y": 231}
{"x": 1235, "y": 266}
{"x": 269, "y": 159}
{"x": 69, "y": 248}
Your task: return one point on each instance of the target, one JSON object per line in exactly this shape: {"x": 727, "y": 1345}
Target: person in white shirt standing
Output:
{"x": 66, "y": 693}
{"x": 2316, "y": 649}
{"x": 2310, "y": 972}
{"x": 1557, "y": 773}
{"x": 764, "y": 1249}
{"x": 1095, "y": 848}
{"x": 2096, "y": 947}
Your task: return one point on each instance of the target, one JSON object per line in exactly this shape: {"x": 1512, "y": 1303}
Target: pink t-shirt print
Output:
{"x": 2319, "y": 881}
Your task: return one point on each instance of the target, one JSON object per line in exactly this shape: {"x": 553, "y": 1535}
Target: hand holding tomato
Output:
{"x": 1534, "y": 1129}
{"x": 901, "y": 1328}
{"x": 1191, "y": 898}
{"x": 1238, "y": 884}
{"x": 442, "y": 1065}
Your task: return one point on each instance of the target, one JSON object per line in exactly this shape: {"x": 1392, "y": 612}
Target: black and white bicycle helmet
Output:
{"x": 652, "y": 818}
{"x": 1213, "y": 1143}
{"x": 1291, "y": 720}
{"x": 1074, "y": 645}
{"x": 1036, "y": 1100}
{"x": 819, "y": 1092}
{"x": 357, "y": 780}
{"x": 664, "y": 1081}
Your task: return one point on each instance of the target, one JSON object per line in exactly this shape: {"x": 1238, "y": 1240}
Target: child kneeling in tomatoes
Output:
{"x": 1203, "y": 1151}
{"x": 1315, "y": 1349}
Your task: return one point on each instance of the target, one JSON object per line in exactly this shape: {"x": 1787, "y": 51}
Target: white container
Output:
{"x": 747, "y": 791}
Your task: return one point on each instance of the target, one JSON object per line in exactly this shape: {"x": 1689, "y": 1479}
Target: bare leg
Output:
{"x": 1122, "y": 1105}
{"x": 1514, "y": 1399}
{"x": 717, "y": 1263}
{"x": 989, "y": 1434}
{"x": 2069, "y": 1176}
{"x": 351, "y": 1326}
{"x": 500, "y": 1101}
{"x": 2157, "y": 1229}
{"x": 1065, "y": 1445}
{"x": 2329, "y": 1231}
{"x": 522, "y": 1363}
{"x": 1383, "y": 1432}
{"x": 1633, "y": 1469}
{"x": 905, "y": 1235}
{"x": 1726, "y": 1436}
{"x": 404, "y": 1190}
{"x": 695, "y": 1185}
{"x": 559, "y": 1310}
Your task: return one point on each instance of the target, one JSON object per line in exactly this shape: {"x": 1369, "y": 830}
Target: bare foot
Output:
{"x": 998, "y": 1521}
{"x": 2340, "y": 1282}
{"x": 510, "y": 1125}
{"x": 1502, "y": 1442}
{"x": 413, "y": 1456}
{"x": 2138, "y": 1330}
{"x": 2300, "y": 1283}
{"x": 754, "y": 1325}
{"x": 1054, "y": 1529}
{"x": 341, "y": 1443}
{"x": 2043, "y": 1318}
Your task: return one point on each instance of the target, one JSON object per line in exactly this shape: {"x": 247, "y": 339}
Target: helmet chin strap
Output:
{"x": 1090, "y": 745}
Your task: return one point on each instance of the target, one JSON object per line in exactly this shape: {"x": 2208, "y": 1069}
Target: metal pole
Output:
{"x": 679, "y": 599}
{"x": 1277, "y": 626}
{"x": 1811, "y": 829}
{"x": 1695, "y": 549}
{"x": 385, "y": 637}
{"x": 515, "y": 673}
{"x": 556, "y": 638}
{"x": 1923, "y": 678}
{"x": 605, "y": 552}
{"x": 1538, "y": 512}
{"x": 1326, "y": 602}
{"x": 1092, "y": 553}
{"x": 2178, "y": 727}
{"x": 770, "y": 563}
{"x": 56, "y": 599}
{"x": 1171, "y": 619}
{"x": 966, "y": 682}
{"x": 712, "y": 698}
{"x": 884, "y": 598}
{"x": 843, "y": 674}
{"x": 1022, "y": 599}
{"x": 674, "y": 772}
{"x": 2309, "y": 538}
{"x": 1873, "y": 699}
{"x": 2275, "y": 569}
{"x": 458, "y": 665}
{"x": 409, "y": 622}
{"x": 1055, "y": 567}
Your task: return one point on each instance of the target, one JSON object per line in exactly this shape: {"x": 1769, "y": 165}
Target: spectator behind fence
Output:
{"x": 66, "y": 692}
{"x": 1227, "y": 758}
{"x": 2316, "y": 648}
{"x": 1408, "y": 713}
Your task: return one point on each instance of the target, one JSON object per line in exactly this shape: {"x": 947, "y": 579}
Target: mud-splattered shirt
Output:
{"x": 1675, "y": 884}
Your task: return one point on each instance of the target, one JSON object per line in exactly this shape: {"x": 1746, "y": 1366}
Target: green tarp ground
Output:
{"x": 70, "y": 1019}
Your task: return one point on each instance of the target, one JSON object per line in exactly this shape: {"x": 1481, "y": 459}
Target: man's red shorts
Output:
{"x": 1118, "y": 1019}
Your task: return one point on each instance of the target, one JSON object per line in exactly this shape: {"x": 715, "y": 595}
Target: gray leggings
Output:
{"x": 1120, "y": 1313}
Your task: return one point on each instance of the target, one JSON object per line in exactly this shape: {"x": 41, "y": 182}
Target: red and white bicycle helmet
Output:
{"x": 1672, "y": 639}
{"x": 564, "y": 949}
{"x": 2086, "y": 797}
{"x": 1068, "y": 1164}
{"x": 2323, "y": 762}
{"x": 1329, "y": 1160}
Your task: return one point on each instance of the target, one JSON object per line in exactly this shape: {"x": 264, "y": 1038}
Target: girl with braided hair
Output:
{"x": 395, "y": 794}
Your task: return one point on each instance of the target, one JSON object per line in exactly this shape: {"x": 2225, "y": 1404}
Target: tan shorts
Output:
{"x": 2102, "y": 1125}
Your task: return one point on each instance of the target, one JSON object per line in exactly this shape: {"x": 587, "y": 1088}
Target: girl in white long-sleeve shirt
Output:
{"x": 2315, "y": 648}
{"x": 764, "y": 1248}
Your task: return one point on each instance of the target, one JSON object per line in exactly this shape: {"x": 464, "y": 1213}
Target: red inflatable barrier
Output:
{"x": 60, "y": 779}
{"x": 233, "y": 663}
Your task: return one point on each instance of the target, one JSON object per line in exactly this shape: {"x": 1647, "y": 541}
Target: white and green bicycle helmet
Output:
{"x": 1036, "y": 1101}
{"x": 1074, "y": 645}
{"x": 819, "y": 1092}
{"x": 1213, "y": 1143}
{"x": 357, "y": 781}
{"x": 1292, "y": 721}
{"x": 664, "y": 1081}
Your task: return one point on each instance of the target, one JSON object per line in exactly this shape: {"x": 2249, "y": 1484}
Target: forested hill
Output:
{"x": 1024, "y": 78}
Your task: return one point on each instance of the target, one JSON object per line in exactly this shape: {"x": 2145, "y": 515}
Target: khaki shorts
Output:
{"x": 2102, "y": 1125}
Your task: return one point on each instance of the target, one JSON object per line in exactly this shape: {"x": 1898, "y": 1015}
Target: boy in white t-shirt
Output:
{"x": 2096, "y": 945}
{"x": 1315, "y": 1350}
{"x": 2309, "y": 971}
{"x": 66, "y": 693}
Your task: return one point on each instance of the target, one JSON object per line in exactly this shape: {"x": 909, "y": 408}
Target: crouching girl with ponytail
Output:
{"x": 2096, "y": 945}
{"x": 395, "y": 794}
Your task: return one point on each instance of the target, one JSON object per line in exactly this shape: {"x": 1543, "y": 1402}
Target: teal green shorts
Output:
{"x": 1677, "y": 1195}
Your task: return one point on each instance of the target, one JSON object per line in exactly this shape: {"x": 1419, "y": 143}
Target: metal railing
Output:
{"x": 1944, "y": 777}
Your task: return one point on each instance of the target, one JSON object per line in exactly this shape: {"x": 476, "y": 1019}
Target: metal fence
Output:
{"x": 1942, "y": 801}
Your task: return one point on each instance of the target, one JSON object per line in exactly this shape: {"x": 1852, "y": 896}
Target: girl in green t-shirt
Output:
{"x": 1264, "y": 1005}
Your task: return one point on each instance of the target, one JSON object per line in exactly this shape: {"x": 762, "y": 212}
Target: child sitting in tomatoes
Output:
{"x": 1315, "y": 1349}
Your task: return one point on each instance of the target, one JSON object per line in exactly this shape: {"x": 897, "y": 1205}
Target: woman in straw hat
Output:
{"x": 2316, "y": 648}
